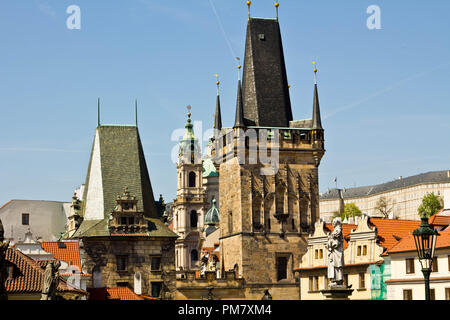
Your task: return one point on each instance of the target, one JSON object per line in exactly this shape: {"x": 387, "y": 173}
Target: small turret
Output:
{"x": 239, "y": 120}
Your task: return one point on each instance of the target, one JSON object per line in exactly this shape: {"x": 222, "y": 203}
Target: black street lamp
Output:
{"x": 425, "y": 239}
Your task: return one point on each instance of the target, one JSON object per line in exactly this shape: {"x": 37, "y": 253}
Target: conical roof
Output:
{"x": 117, "y": 161}
{"x": 264, "y": 86}
{"x": 239, "y": 120}
{"x": 316, "y": 120}
{"x": 218, "y": 116}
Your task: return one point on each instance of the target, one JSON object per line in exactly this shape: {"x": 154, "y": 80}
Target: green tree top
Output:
{"x": 431, "y": 204}
{"x": 350, "y": 210}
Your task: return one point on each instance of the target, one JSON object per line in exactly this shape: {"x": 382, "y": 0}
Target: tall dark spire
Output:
{"x": 239, "y": 121}
{"x": 316, "y": 121}
{"x": 264, "y": 83}
{"x": 218, "y": 115}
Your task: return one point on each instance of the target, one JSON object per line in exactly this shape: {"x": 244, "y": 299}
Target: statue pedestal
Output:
{"x": 337, "y": 293}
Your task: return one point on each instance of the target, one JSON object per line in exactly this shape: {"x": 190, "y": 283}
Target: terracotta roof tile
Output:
{"x": 70, "y": 254}
{"x": 389, "y": 229}
{"x": 29, "y": 275}
{"x": 408, "y": 244}
{"x": 117, "y": 293}
{"x": 440, "y": 218}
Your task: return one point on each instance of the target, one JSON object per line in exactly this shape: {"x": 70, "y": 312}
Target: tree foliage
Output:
{"x": 384, "y": 207}
{"x": 431, "y": 204}
{"x": 350, "y": 210}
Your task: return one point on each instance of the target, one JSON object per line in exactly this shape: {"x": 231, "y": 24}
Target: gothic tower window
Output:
{"x": 256, "y": 208}
{"x": 280, "y": 200}
{"x": 122, "y": 263}
{"x": 192, "y": 178}
{"x": 194, "y": 219}
{"x": 230, "y": 222}
{"x": 304, "y": 213}
{"x": 282, "y": 268}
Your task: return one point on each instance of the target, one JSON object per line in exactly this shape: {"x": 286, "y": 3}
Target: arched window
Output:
{"x": 194, "y": 219}
{"x": 192, "y": 177}
{"x": 194, "y": 255}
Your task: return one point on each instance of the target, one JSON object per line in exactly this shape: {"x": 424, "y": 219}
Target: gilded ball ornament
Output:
{"x": 277, "y": 4}
{"x": 249, "y": 3}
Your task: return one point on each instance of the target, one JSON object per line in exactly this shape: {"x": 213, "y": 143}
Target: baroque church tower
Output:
{"x": 190, "y": 205}
{"x": 268, "y": 171}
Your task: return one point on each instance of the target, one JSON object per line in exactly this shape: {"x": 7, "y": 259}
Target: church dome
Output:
{"x": 212, "y": 216}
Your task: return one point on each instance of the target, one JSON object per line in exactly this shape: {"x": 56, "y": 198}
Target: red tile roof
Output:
{"x": 30, "y": 275}
{"x": 440, "y": 218}
{"x": 117, "y": 293}
{"x": 389, "y": 229}
{"x": 346, "y": 228}
{"x": 408, "y": 244}
{"x": 70, "y": 254}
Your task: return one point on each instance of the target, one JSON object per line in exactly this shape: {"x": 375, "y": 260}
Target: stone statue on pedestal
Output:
{"x": 204, "y": 264}
{"x": 51, "y": 280}
{"x": 335, "y": 247}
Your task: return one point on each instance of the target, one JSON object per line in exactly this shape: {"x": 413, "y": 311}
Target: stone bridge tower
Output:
{"x": 268, "y": 172}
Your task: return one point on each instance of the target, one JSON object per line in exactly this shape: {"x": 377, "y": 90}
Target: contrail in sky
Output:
{"x": 233, "y": 54}
{"x": 387, "y": 89}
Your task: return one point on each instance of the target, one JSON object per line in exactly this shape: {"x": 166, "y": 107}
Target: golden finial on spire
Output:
{"x": 315, "y": 72}
{"x": 276, "y": 6}
{"x": 239, "y": 66}
{"x": 249, "y": 3}
{"x": 189, "y": 111}
{"x": 217, "y": 82}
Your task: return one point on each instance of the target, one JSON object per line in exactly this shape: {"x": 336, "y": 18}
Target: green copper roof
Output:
{"x": 189, "y": 143}
{"x": 117, "y": 161}
{"x": 212, "y": 217}
{"x": 209, "y": 170}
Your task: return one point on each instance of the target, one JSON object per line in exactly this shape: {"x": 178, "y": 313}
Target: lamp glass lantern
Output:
{"x": 425, "y": 240}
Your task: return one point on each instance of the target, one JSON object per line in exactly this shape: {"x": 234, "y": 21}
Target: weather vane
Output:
{"x": 315, "y": 72}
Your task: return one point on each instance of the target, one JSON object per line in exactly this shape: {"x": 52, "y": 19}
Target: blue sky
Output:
{"x": 384, "y": 94}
